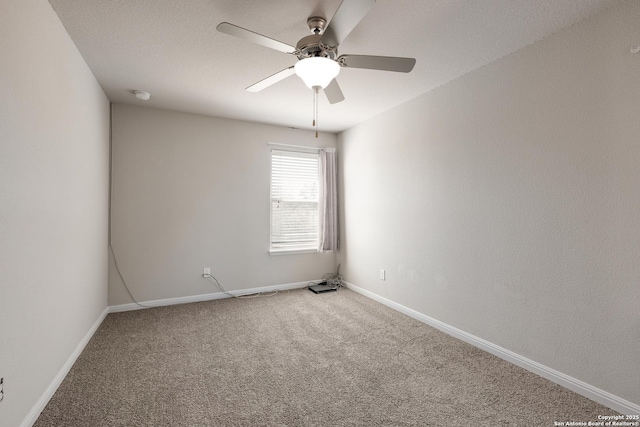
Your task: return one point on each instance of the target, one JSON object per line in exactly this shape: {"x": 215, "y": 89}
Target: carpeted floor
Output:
{"x": 297, "y": 359}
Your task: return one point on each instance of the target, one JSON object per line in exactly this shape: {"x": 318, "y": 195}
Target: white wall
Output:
{"x": 54, "y": 182}
{"x": 506, "y": 203}
{"x": 190, "y": 192}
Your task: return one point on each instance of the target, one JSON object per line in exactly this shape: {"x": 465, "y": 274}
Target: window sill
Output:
{"x": 292, "y": 251}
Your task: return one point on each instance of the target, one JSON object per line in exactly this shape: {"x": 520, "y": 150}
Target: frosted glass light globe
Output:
{"x": 317, "y": 71}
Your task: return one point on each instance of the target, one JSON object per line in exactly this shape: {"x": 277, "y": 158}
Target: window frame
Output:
{"x": 312, "y": 152}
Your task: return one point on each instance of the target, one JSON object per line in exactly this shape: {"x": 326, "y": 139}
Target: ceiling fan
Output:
{"x": 319, "y": 62}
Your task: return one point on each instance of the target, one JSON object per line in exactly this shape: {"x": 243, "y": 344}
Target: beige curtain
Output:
{"x": 328, "y": 204}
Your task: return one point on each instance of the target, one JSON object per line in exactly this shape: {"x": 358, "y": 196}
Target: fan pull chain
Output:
{"x": 314, "y": 109}
{"x": 316, "y": 89}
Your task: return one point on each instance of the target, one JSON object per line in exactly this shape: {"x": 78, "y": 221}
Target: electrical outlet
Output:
{"x": 382, "y": 275}
{"x": 207, "y": 270}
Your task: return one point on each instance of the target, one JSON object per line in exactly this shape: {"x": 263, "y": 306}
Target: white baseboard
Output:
{"x": 603, "y": 397}
{"x": 204, "y": 297}
{"x": 62, "y": 373}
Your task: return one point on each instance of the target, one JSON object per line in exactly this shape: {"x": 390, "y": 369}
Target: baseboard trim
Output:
{"x": 603, "y": 397}
{"x": 204, "y": 297}
{"x": 35, "y": 412}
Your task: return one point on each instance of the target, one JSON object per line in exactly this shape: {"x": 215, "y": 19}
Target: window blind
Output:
{"x": 294, "y": 200}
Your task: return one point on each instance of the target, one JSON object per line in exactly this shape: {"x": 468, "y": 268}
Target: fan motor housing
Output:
{"x": 311, "y": 46}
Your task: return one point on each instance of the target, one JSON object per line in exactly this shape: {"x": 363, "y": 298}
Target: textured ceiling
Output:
{"x": 171, "y": 49}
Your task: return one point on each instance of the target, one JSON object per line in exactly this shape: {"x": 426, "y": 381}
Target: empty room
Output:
{"x": 319, "y": 213}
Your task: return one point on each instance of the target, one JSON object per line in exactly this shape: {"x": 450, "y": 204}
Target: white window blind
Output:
{"x": 294, "y": 200}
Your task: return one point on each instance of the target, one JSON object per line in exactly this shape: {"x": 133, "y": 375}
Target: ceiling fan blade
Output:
{"x": 275, "y": 78}
{"x": 385, "y": 63}
{"x": 333, "y": 92}
{"x": 345, "y": 20}
{"x": 234, "y": 30}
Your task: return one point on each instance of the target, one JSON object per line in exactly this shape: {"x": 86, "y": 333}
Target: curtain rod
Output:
{"x": 294, "y": 146}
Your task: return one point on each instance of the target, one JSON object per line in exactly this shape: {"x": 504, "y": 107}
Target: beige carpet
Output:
{"x": 297, "y": 359}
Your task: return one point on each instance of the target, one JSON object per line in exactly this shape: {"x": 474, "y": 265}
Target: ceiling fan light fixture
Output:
{"x": 317, "y": 71}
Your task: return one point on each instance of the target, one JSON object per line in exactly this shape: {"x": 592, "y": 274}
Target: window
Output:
{"x": 294, "y": 202}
